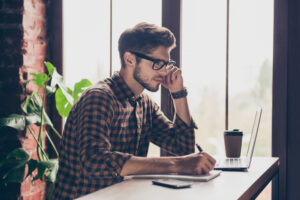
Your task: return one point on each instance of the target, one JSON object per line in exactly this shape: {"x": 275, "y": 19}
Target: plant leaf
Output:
{"x": 51, "y": 173}
{"x": 50, "y": 90}
{"x": 25, "y": 104}
{"x": 50, "y": 67}
{"x": 15, "y": 175}
{"x": 15, "y": 157}
{"x": 79, "y": 88}
{"x": 63, "y": 106}
{"x": 57, "y": 79}
{"x": 32, "y": 104}
{"x": 32, "y": 165}
{"x": 48, "y": 169}
{"x": 33, "y": 119}
{"x": 15, "y": 162}
{"x": 40, "y": 79}
{"x": 14, "y": 121}
{"x": 47, "y": 119}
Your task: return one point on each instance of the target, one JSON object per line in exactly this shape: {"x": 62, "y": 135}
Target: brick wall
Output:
{"x": 22, "y": 51}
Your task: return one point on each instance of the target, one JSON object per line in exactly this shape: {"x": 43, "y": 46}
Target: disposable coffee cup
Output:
{"x": 233, "y": 143}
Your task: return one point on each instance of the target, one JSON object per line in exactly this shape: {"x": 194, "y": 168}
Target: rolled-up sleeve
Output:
{"x": 176, "y": 137}
{"x": 97, "y": 160}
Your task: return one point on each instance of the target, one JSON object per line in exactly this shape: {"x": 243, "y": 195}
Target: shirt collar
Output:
{"x": 121, "y": 89}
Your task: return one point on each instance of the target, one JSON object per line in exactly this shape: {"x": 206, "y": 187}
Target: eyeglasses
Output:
{"x": 157, "y": 63}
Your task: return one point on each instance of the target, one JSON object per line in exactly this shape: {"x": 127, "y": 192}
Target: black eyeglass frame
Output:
{"x": 155, "y": 61}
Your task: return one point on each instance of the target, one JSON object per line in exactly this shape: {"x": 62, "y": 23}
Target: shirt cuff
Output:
{"x": 179, "y": 122}
{"x": 117, "y": 161}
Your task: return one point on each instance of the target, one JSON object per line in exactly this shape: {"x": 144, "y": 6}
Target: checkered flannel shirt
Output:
{"x": 105, "y": 127}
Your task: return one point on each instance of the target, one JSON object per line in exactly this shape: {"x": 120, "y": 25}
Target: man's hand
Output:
{"x": 197, "y": 163}
{"x": 173, "y": 80}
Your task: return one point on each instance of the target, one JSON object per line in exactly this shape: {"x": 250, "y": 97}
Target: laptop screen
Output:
{"x": 254, "y": 132}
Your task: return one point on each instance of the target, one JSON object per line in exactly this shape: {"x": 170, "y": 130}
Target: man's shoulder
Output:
{"x": 100, "y": 88}
{"x": 99, "y": 91}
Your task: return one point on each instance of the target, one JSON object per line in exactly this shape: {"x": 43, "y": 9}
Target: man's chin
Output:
{"x": 153, "y": 89}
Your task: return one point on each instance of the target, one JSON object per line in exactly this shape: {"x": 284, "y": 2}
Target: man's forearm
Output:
{"x": 182, "y": 110}
{"x": 143, "y": 165}
{"x": 197, "y": 163}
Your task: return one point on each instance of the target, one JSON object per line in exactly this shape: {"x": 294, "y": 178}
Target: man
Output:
{"x": 108, "y": 130}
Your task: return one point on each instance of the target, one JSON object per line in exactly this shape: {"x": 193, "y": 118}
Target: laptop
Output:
{"x": 242, "y": 163}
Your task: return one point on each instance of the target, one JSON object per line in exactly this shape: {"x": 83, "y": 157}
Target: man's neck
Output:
{"x": 135, "y": 87}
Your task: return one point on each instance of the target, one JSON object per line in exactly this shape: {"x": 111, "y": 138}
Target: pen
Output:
{"x": 199, "y": 148}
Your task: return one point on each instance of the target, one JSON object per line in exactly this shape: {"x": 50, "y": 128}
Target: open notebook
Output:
{"x": 202, "y": 178}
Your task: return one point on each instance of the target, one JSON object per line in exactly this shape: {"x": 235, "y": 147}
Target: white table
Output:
{"x": 229, "y": 185}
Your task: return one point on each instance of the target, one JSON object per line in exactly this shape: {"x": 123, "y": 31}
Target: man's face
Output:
{"x": 146, "y": 76}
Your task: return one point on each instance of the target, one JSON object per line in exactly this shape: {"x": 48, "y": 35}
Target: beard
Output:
{"x": 145, "y": 82}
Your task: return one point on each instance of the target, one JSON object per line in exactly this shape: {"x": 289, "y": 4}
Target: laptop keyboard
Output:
{"x": 230, "y": 162}
{"x": 233, "y": 161}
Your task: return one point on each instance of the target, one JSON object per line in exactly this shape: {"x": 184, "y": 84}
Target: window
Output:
{"x": 203, "y": 62}
{"x": 87, "y": 55}
{"x": 250, "y": 68}
{"x": 250, "y": 71}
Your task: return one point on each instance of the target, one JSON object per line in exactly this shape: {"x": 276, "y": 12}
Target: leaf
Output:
{"x": 38, "y": 100}
{"x": 32, "y": 165}
{"x": 51, "y": 175}
{"x": 25, "y": 104}
{"x": 18, "y": 154}
{"x": 50, "y": 67}
{"x": 15, "y": 175}
{"x": 50, "y": 90}
{"x": 48, "y": 169}
{"x": 57, "y": 79}
{"x": 14, "y": 121}
{"x": 63, "y": 106}
{"x": 31, "y": 104}
{"x": 64, "y": 95}
{"x": 40, "y": 79}
{"x": 33, "y": 119}
{"x": 47, "y": 119}
{"x": 15, "y": 161}
{"x": 79, "y": 88}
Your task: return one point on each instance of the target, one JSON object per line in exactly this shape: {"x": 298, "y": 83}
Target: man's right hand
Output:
{"x": 196, "y": 163}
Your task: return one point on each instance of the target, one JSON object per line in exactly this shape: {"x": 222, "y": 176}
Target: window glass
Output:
{"x": 203, "y": 67}
{"x": 127, "y": 14}
{"x": 86, "y": 40}
{"x": 250, "y": 69}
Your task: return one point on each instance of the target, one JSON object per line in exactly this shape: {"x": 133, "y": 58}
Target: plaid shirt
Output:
{"x": 105, "y": 127}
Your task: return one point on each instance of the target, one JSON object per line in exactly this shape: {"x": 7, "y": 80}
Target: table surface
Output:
{"x": 229, "y": 185}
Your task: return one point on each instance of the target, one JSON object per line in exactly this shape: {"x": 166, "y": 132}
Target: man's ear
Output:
{"x": 129, "y": 59}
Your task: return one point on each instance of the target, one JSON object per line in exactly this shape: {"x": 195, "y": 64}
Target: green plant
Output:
{"x": 14, "y": 165}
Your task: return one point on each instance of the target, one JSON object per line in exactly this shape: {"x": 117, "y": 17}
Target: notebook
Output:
{"x": 242, "y": 163}
{"x": 201, "y": 178}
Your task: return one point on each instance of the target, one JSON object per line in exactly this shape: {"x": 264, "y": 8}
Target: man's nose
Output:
{"x": 165, "y": 70}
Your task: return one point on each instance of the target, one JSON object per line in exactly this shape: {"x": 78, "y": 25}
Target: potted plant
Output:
{"x": 13, "y": 167}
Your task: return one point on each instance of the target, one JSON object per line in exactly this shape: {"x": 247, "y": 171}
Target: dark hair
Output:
{"x": 144, "y": 38}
